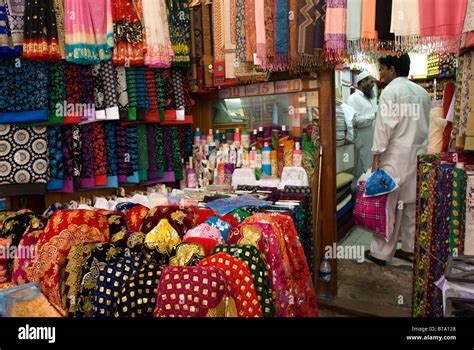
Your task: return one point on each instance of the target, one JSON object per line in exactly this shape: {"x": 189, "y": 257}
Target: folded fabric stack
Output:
{"x": 340, "y": 125}
{"x": 344, "y": 203}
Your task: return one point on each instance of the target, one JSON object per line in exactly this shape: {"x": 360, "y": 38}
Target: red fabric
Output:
{"x": 230, "y": 219}
{"x": 442, "y": 18}
{"x": 447, "y": 136}
{"x": 135, "y": 217}
{"x": 469, "y": 40}
{"x": 448, "y": 95}
{"x": 65, "y": 229}
{"x": 202, "y": 214}
{"x": 241, "y": 283}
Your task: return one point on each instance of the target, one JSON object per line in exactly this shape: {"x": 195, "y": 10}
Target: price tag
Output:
{"x": 180, "y": 114}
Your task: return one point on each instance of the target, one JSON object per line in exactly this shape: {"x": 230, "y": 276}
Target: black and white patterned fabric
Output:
{"x": 121, "y": 89}
{"x": 24, "y": 155}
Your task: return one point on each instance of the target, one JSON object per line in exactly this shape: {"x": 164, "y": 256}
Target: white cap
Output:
{"x": 260, "y": 128}
{"x": 362, "y": 75}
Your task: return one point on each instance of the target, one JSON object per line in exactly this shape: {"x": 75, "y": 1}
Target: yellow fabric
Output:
{"x": 162, "y": 237}
{"x": 343, "y": 179}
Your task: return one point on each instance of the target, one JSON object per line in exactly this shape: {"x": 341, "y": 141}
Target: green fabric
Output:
{"x": 176, "y": 146}
{"x": 142, "y": 153}
{"x": 456, "y": 232}
{"x": 240, "y": 214}
{"x": 160, "y": 150}
{"x": 161, "y": 90}
{"x": 132, "y": 93}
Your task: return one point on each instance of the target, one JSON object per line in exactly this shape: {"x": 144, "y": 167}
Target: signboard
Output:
{"x": 270, "y": 88}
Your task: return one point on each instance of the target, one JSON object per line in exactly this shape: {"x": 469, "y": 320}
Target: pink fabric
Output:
{"x": 442, "y": 18}
{"x": 261, "y": 57}
{"x": 370, "y": 212}
{"x": 25, "y": 257}
{"x": 205, "y": 231}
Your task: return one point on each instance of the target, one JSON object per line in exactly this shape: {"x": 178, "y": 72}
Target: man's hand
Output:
{"x": 376, "y": 162}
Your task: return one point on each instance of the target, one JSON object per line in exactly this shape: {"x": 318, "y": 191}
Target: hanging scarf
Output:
{"x": 368, "y": 32}
{"x": 89, "y": 33}
{"x": 229, "y": 38}
{"x": 128, "y": 33}
{"x": 167, "y": 143}
{"x": 131, "y": 92}
{"x": 179, "y": 24}
{"x": 11, "y": 27}
{"x": 335, "y": 30}
{"x": 354, "y": 23}
{"x": 281, "y": 35}
{"x": 40, "y": 44}
{"x": 218, "y": 23}
{"x": 161, "y": 91}
{"x": 383, "y": 16}
{"x": 405, "y": 24}
{"x": 87, "y": 157}
{"x": 207, "y": 58}
{"x": 88, "y": 97}
{"x": 441, "y": 24}
{"x": 159, "y": 53}
{"x": 261, "y": 53}
{"x": 131, "y": 155}
{"x": 198, "y": 46}
{"x": 59, "y": 12}
{"x": 111, "y": 147}
{"x": 240, "y": 34}
{"x": 100, "y": 155}
{"x": 269, "y": 13}
{"x": 469, "y": 19}
{"x": 456, "y": 232}
{"x": 57, "y": 92}
{"x": 310, "y": 32}
{"x": 77, "y": 157}
{"x": 122, "y": 92}
{"x": 250, "y": 30}
{"x": 121, "y": 141}
{"x": 73, "y": 94}
{"x": 67, "y": 153}
{"x": 152, "y": 114}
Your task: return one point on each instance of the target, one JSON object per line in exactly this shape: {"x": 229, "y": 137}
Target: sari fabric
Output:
{"x": 251, "y": 256}
{"x": 163, "y": 237}
{"x": 302, "y": 300}
{"x": 187, "y": 254}
{"x": 194, "y": 291}
{"x": 135, "y": 217}
{"x": 64, "y": 230}
{"x": 240, "y": 280}
{"x": 11, "y": 27}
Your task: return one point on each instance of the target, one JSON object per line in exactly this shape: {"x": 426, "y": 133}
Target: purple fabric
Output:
{"x": 151, "y": 142}
{"x": 24, "y": 258}
{"x": 87, "y": 154}
{"x": 124, "y": 168}
{"x": 169, "y": 165}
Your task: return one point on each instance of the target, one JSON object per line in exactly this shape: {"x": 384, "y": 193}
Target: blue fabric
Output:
{"x": 222, "y": 226}
{"x": 23, "y": 117}
{"x": 281, "y": 44}
{"x": 379, "y": 183}
{"x": 226, "y": 205}
{"x": 349, "y": 206}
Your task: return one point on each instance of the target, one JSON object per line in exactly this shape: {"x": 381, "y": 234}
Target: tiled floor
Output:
{"x": 359, "y": 236}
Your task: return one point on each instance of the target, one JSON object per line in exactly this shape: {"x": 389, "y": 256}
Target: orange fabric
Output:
{"x": 368, "y": 31}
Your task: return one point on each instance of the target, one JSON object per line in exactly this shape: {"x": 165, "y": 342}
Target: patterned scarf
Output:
{"x": 281, "y": 35}
{"x": 335, "y": 30}
{"x": 11, "y": 27}
{"x": 311, "y": 19}
{"x": 208, "y": 39}
{"x": 179, "y": 25}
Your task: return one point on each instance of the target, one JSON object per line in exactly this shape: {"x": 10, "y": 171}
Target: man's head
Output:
{"x": 365, "y": 83}
{"x": 392, "y": 67}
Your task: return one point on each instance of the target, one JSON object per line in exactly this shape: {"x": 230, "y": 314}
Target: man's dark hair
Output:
{"x": 401, "y": 64}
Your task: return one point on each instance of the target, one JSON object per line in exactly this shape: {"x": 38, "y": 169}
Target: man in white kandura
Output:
{"x": 401, "y": 134}
{"x": 363, "y": 123}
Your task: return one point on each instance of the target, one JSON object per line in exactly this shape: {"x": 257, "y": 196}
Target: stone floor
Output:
{"x": 366, "y": 289}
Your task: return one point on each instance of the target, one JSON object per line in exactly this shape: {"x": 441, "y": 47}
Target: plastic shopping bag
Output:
{"x": 379, "y": 183}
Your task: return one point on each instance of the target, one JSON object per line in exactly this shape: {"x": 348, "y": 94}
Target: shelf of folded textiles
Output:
{"x": 433, "y": 77}
{"x": 169, "y": 117}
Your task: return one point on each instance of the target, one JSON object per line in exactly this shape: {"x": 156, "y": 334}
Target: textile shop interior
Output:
{"x": 217, "y": 165}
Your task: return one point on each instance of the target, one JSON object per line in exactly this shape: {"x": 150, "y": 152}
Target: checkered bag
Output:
{"x": 371, "y": 212}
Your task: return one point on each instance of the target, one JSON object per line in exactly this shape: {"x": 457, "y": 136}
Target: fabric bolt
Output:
{"x": 221, "y": 225}
{"x": 84, "y": 281}
{"x": 263, "y": 237}
{"x": 368, "y": 32}
{"x": 25, "y": 158}
{"x": 22, "y": 262}
{"x": 131, "y": 157}
{"x": 57, "y": 92}
{"x": 176, "y": 151}
{"x": 87, "y": 157}
{"x": 229, "y": 38}
{"x": 87, "y": 96}
{"x": 128, "y": 33}
{"x": 123, "y": 158}
{"x": 141, "y": 91}
{"x": 204, "y": 231}
{"x": 56, "y": 164}
{"x": 161, "y": 91}
{"x": 181, "y": 220}
{"x": 11, "y": 27}
{"x": 109, "y": 283}
{"x": 335, "y": 29}
{"x": 24, "y": 86}
{"x": 142, "y": 153}
{"x": 111, "y": 153}
{"x": 160, "y": 150}
{"x": 281, "y": 34}
{"x": 135, "y": 216}
{"x": 137, "y": 297}
{"x": 121, "y": 89}
{"x": 64, "y": 230}
{"x": 151, "y": 142}
{"x": 457, "y": 218}
{"x": 152, "y": 95}
{"x": 40, "y": 36}
{"x": 71, "y": 156}
{"x": 194, "y": 291}
{"x": 207, "y": 44}
{"x": 159, "y": 52}
{"x": 187, "y": 254}
{"x": 251, "y": 256}
{"x": 163, "y": 238}
{"x": 167, "y": 144}
{"x": 89, "y": 33}
{"x": 240, "y": 280}
{"x": 100, "y": 154}
{"x": 302, "y": 299}
{"x": 131, "y": 92}
{"x": 73, "y": 94}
